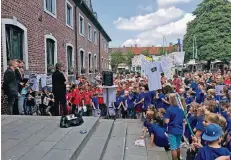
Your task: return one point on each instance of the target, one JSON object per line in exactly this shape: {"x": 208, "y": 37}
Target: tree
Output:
{"x": 117, "y": 58}
{"x": 128, "y": 56}
{"x": 146, "y": 52}
{"x": 212, "y": 29}
{"x": 162, "y": 51}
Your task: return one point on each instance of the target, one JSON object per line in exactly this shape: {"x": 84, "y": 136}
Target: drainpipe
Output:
{"x": 100, "y": 65}
{"x": 76, "y": 41}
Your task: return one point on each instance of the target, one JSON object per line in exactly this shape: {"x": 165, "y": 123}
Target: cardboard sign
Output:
{"x": 49, "y": 80}
{"x": 219, "y": 89}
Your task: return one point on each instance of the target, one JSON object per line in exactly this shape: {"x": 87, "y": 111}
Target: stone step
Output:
{"x": 116, "y": 145}
{"x": 43, "y": 139}
{"x": 97, "y": 144}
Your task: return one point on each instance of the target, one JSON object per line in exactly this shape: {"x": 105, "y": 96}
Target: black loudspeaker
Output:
{"x": 107, "y": 78}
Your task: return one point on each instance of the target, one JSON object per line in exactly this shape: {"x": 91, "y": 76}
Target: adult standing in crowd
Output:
{"x": 10, "y": 86}
{"x": 19, "y": 78}
{"x": 59, "y": 90}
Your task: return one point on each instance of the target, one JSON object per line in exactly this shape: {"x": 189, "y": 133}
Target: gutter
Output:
{"x": 76, "y": 41}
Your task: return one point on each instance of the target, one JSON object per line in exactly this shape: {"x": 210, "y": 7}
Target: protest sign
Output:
{"x": 219, "y": 89}
{"x": 166, "y": 64}
{"x": 49, "y": 80}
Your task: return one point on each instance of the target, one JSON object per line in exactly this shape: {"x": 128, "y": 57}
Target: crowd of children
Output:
{"x": 193, "y": 111}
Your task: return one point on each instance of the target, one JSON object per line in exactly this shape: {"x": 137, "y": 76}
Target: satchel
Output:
{"x": 71, "y": 120}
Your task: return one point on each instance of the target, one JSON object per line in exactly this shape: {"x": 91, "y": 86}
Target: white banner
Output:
{"x": 166, "y": 64}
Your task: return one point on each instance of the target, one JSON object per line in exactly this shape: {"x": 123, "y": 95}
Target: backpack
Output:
{"x": 71, "y": 120}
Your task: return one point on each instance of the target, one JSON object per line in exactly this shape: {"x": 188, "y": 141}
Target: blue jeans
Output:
{"x": 28, "y": 110}
{"x": 131, "y": 112}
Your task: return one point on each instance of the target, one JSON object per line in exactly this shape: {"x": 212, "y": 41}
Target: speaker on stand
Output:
{"x": 107, "y": 78}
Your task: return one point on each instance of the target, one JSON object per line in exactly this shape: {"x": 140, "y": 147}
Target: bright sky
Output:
{"x": 144, "y": 22}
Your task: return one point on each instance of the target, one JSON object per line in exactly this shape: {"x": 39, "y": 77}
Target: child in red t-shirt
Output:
{"x": 75, "y": 98}
{"x": 87, "y": 102}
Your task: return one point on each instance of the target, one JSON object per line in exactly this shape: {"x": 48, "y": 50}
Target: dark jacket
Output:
{"x": 58, "y": 83}
{"x": 19, "y": 79}
{"x": 10, "y": 85}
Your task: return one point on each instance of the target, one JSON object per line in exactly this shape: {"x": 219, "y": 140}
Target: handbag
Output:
{"x": 71, "y": 120}
{"x": 191, "y": 154}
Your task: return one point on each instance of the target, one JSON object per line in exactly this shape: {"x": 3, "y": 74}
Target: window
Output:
{"x": 102, "y": 62}
{"x": 89, "y": 32}
{"x": 104, "y": 45}
{"x": 82, "y": 59}
{"x": 50, "y": 44}
{"x": 70, "y": 60}
{"x": 81, "y": 25}
{"x": 90, "y": 63}
{"x": 95, "y": 36}
{"x": 50, "y": 7}
{"x": 69, "y": 14}
{"x": 14, "y": 42}
{"x": 95, "y": 62}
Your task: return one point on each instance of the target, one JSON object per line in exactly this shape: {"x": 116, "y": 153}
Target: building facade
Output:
{"x": 43, "y": 32}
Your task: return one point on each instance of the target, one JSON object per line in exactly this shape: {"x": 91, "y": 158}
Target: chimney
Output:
{"x": 135, "y": 45}
{"x": 170, "y": 44}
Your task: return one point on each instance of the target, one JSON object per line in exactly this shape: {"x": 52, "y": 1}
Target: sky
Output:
{"x": 144, "y": 22}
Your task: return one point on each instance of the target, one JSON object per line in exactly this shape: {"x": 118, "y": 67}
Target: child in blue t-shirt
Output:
{"x": 95, "y": 104}
{"x": 188, "y": 100}
{"x": 212, "y": 150}
{"x": 174, "y": 119}
{"x": 200, "y": 95}
{"x": 119, "y": 104}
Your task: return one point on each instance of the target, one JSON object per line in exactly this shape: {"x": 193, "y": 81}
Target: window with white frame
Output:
{"x": 50, "y": 49}
{"x": 95, "y": 36}
{"x": 50, "y": 7}
{"x": 81, "y": 25}
{"x": 95, "y": 62}
{"x": 69, "y": 14}
{"x": 82, "y": 63}
{"x": 89, "y": 32}
{"x": 14, "y": 42}
{"x": 70, "y": 60}
{"x": 90, "y": 63}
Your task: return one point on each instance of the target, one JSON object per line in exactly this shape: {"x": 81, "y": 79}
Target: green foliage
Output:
{"x": 162, "y": 50}
{"x": 212, "y": 28}
{"x": 128, "y": 57}
{"x": 146, "y": 52}
{"x": 117, "y": 58}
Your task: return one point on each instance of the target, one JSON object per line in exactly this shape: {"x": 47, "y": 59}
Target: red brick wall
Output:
{"x": 38, "y": 23}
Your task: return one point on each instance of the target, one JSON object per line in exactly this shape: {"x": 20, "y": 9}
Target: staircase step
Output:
{"x": 116, "y": 145}
{"x": 96, "y": 146}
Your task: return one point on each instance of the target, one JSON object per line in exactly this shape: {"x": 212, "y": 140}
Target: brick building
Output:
{"x": 43, "y": 32}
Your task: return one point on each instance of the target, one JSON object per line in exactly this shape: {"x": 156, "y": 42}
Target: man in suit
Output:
{"x": 10, "y": 85}
{"x": 59, "y": 90}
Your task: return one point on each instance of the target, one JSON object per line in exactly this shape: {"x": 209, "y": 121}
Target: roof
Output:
{"x": 139, "y": 50}
{"x": 90, "y": 15}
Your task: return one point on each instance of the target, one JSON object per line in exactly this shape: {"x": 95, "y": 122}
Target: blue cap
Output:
{"x": 212, "y": 132}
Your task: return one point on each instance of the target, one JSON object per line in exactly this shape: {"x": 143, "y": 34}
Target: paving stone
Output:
{"x": 155, "y": 155}
{"x": 71, "y": 140}
{"x": 116, "y": 145}
{"x": 135, "y": 129}
{"x": 115, "y": 149}
{"x": 39, "y": 151}
{"x": 58, "y": 154}
{"x": 135, "y": 157}
{"x": 103, "y": 129}
{"x": 119, "y": 129}
{"x": 58, "y": 134}
{"x": 8, "y": 144}
{"x": 97, "y": 142}
{"x": 31, "y": 130}
{"x": 93, "y": 149}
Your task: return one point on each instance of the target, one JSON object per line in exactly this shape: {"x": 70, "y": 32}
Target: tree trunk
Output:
{"x": 208, "y": 65}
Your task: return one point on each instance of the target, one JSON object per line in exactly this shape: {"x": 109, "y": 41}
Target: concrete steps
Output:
{"x": 116, "y": 146}
{"x": 97, "y": 144}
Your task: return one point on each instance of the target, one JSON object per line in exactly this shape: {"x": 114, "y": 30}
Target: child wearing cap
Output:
{"x": 212, "y": 150}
